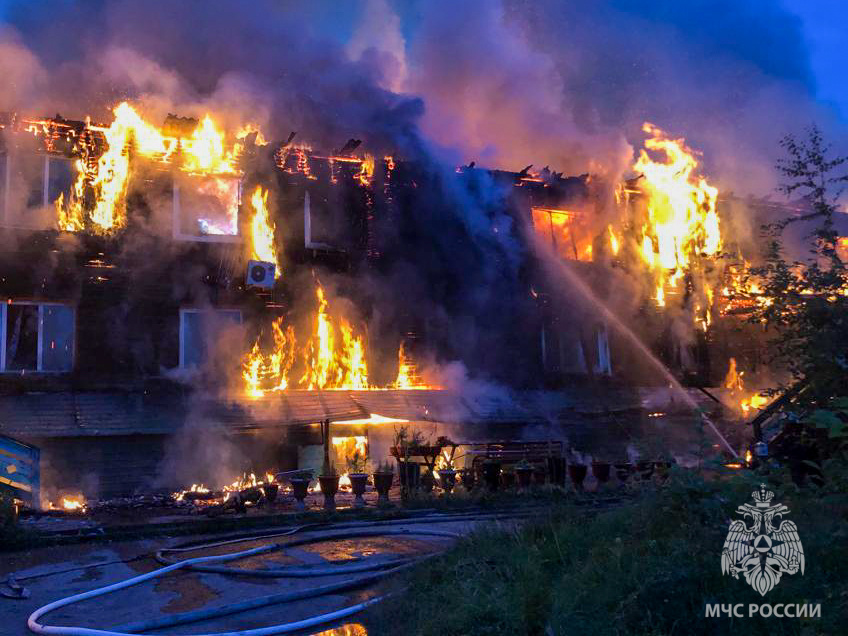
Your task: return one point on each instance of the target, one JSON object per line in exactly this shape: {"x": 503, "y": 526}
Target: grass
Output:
{"x": 648, "y": 567}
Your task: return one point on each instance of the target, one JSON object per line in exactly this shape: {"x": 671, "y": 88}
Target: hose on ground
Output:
{"x": 38, "y": 628}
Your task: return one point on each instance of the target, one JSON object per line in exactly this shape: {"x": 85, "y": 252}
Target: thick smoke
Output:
{"x": 505, "y": 83}
{"x": 568, "y": 84}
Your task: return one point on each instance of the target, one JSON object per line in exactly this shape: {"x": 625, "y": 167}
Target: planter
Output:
{"x": 409, "y": 474}
{"x": 447, "y": 479}
{"x": 492, "y": 475}
{"x": 577, "y": 472}
{"x": 662, "y": 469}
{"x": 601, "y": 472}
{"x": 646, "y": 469}
{"x": 507, "y": 480}
{"x": 329, "y": 487}
{"x": 468, "y": 479}
{"x": 540, "y": 476}
{"x": 383, "y": 483}
{"x": 358, "y": 481}
{"x": 270, "y": 491}
{"x": 525, "y": 476}
{"x": 415, "y": 451}
{"x": 622, "y": 472}
{"x": 428, "y": 482}
{"x": 556, "y": 470}
{"x": 300, "y": 488}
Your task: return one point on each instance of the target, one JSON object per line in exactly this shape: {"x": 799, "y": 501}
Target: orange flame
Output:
{"x": 682, "y": 224}
{"x": 204, "y": 152}
{"x": 734, "y": 381}
{"x": 262, "y": 231}
{"x": 269, "y": 372}
{"x": 333, "y": 362}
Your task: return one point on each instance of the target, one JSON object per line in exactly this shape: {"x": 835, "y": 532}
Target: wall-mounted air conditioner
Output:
{"x": 260, "y": 274}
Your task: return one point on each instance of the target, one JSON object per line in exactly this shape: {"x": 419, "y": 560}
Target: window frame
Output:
{"x": 4, "y": 314}
{"x": 176, "y": 216}
{"x": 200, "y": 310}
{"x": 5, "y": 217}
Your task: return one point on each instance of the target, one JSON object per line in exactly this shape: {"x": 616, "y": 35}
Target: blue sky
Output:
{"x": 826, "y": 28}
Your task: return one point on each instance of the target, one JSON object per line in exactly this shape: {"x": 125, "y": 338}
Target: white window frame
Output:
{"x": 176, "y": 214}
{"x": 40, "y": 338}
{"x": 5, "y": 218}
{"x": 199, "y": 310}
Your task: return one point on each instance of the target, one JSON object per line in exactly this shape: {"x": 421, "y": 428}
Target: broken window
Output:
{"x": 201, "y": 330}
{"x": 36, "y": 337}
{"x": 565, "y": 231}
{"x": 206, "y": 208}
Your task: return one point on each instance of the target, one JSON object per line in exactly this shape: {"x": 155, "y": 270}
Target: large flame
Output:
{"x": 682, "y": 224}
{"x": 408, "y": 376}
{"x": 205, "y": 151}
{"x": 335, "y": 358}
{"x": 262, "y": 228}
{"x": 269, "y": 372}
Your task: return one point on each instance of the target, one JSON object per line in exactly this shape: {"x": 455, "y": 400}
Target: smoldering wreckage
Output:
{"x": 199, "y": 322}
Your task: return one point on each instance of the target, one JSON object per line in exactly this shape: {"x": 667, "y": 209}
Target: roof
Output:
{"x": 72, "y": 414}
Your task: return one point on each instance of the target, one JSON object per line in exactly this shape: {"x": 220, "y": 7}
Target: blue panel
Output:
{"x": 19, "y": 468}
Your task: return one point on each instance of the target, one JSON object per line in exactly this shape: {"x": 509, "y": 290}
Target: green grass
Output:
{"x": 648, "y": 567}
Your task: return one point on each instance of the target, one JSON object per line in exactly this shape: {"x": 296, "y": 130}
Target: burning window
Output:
{"x": 30, "y": 183}
{"x": 200, "y": 329}
{"x": 36, "y": 337}
{"x": 565, "y": 231}
{"x": 206, "y": 208}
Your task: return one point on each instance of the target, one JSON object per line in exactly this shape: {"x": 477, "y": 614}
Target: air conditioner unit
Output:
{"x": 260, "y": 274}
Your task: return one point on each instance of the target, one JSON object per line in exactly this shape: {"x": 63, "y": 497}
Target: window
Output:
{"x": 36, "y": 337}
{"x": 206, "y": 208}
{"x": 200, "y": 330}
{"x": 565, "y": 231}
{"x": 31, "y": 183}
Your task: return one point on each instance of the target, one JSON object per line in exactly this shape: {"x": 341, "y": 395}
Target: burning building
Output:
{"x": 173, "y": 276}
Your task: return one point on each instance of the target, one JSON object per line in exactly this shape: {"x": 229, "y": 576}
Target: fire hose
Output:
{"x": 397, "y": 565}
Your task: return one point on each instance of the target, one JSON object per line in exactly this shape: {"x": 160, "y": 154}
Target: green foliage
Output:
{"x": 384, "y": 467}
{"x": 356, "y": 462}
{"x": 808, "y": 308}
{"x": 646, "y": 568}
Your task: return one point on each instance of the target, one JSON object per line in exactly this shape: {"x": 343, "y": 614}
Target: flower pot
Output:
{"x": 525, "y": 476}
{"x": 300, "y": 487}
{"x": 646, "y": 469}
{"x": 577, "y": 472}
{"x": 358, "y": 481}
{"x": 622, "y": 471}
{"x": 507, "y": 480}
{"x": 409, "y": 474}
{"x": 447, "y": 479}
{"x": 601, "y": 472}
{"x": 540, "y": 476}
{"x": 492, "y": 475}
{"x": 329, "y": 487}
{"x": 428, "y": 482}
{"x": 662, "y": 469}
{"x": 270, "y": 491}
{"x": 556, "y": 470}
{"x": 383, "y": 483}
{"x": 468, "y": 479}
